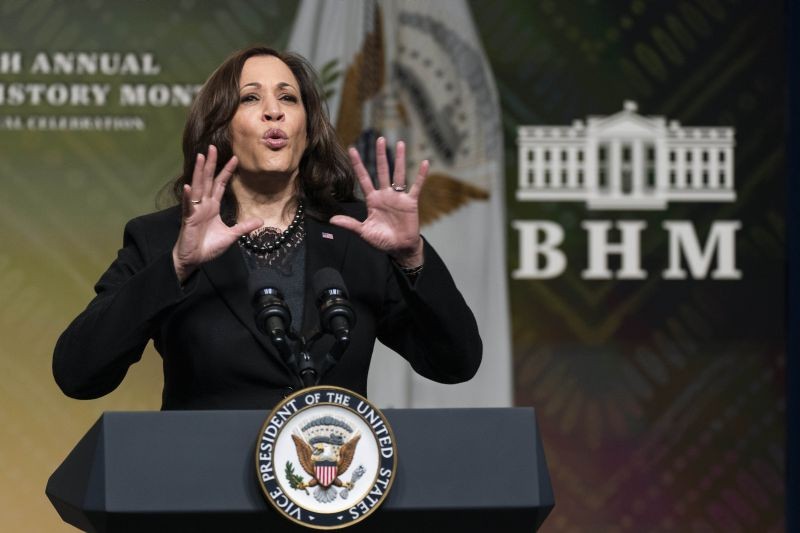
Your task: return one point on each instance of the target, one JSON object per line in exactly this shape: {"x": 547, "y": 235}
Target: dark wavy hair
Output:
{"x": 325, "y": 176}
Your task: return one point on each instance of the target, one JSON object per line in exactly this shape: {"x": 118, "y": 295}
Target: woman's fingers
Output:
{"x": 399, "y": 165}
{"x": 361, "y": 172}
{"x": 203, "y": 174}
{"x": 186, "y": 201}
{"x": 346, "y": 222}
{"x": 419, "y": 181}
{"x": 382, "y": 163}
{"x": 209, "y": 170}
{"x": 382, "y": 167}
{"x": 204, "y": 185}
{"x": 224, "y": 176}
{"x": 197, "y": 176}
{"x": 246, "y": 226}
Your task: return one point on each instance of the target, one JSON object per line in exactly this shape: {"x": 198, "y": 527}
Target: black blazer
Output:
{"x": 213, "y": 355}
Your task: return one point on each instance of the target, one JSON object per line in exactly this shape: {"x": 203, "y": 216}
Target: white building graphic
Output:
{"x": 625, "y": 161}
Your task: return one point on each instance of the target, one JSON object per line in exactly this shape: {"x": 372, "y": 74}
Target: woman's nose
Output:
{"x": 272, "y": 111}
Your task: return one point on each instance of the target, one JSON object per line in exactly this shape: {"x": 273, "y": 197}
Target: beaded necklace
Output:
{"x": 262, "y": 249}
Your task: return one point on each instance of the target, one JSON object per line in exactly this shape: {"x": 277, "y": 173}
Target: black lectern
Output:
{"x": 458, "y": 470}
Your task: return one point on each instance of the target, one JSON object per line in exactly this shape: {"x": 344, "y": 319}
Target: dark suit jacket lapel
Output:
{"x": 326, "y": 246}
{"x": 229, "y": 275}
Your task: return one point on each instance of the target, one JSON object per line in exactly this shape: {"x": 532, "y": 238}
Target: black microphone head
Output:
{"x": 268, "y": 304}
{"x": 327, "y": 280}
{"x": 336, "y": 315}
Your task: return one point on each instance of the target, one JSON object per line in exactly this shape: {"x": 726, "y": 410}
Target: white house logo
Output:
{"x": 326, "y": 458}
{"x": 630, "y": 162}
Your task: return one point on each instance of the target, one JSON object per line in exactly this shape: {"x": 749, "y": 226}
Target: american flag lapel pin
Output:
{"x": 326, "y": 235}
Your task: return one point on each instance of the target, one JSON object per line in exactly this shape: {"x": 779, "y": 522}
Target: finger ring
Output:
{"x": 399, "y": 188}
{"x": 195, "y": 202}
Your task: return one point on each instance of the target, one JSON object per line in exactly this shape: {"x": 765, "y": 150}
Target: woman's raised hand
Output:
{"x": 203, "y": 234}
{"x": 392, "y": 223}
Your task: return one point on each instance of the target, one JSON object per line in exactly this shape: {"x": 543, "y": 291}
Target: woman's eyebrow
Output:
{"x": 257, "y": 85}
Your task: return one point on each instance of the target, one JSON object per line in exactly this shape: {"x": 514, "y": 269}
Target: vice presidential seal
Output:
{"x": 326, "y": 457}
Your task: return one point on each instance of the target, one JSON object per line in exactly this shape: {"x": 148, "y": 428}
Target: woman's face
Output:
{"x": 268, "y": 131}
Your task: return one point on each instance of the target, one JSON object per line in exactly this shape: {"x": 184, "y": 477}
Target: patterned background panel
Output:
{"x": 661, "y": 401}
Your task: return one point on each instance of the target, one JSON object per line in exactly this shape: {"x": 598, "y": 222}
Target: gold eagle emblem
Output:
{"x": 312, "y": 456}
{"x": 326, "y": 447}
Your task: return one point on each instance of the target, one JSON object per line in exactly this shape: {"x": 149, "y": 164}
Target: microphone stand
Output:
{"x": 304, "y": 363}
{"x": 305, "y": 366}
{"x": 301, "y": 360}
{"x": 334, "y": 355}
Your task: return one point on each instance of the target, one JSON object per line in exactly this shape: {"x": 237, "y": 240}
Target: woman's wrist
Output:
{"x": 412, "y": 259}
{"x": 182, "y": 271}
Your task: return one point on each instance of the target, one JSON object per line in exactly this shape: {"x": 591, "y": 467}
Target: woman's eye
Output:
{"x": 289, "y": 98}
{"x": 248, "y": 98}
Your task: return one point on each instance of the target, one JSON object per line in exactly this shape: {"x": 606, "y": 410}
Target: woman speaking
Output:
{"x": 266, "y": 199}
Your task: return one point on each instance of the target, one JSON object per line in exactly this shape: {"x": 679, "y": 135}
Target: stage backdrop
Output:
{"x": 644, "y": 189}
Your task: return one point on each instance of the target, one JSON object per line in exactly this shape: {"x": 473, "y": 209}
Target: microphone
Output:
{"x": 336, "y": 315}
{"x": 273, "y": 317}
